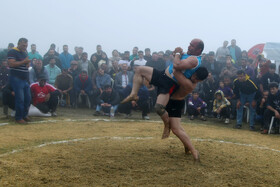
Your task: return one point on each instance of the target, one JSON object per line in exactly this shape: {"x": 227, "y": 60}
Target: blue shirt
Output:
{"x": 65, "y": 59}
{"x": 188, "y": 72}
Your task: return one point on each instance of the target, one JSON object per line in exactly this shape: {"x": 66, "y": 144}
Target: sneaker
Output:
{"x": 192, "y": 117}
{"x": 238, "y": 126}
{"x": 21, "y": 121}
{"x": 54, "y": 114}
{"x": 227, "y": 121}
{"x": 146, "y": 117}
{"x": 252, "y": 128}
{"x": 203, "y": 118}
{"x": 265, "y": 131}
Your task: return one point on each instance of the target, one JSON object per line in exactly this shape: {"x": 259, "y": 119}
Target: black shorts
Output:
{"x": 163, "y": 82}
{"x": 175, "y": 107}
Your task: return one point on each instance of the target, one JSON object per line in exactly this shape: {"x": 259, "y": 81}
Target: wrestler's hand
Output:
{"x": 178, "y": 50}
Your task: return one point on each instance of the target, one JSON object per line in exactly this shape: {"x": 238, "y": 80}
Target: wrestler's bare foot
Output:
{"x": 130, "y": 98}
{"x": 166, "y": 131}
{"x": 196, "y": 157}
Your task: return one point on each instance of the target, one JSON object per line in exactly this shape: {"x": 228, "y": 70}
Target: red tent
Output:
{"x": 255, "y": 50}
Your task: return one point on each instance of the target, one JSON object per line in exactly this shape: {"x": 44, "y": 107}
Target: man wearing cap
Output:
{"x": 19, "y": 63}
{"x": 44, "y": 96}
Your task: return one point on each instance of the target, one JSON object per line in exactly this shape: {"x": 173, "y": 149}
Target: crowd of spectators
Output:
{"x": 235, "y": 82}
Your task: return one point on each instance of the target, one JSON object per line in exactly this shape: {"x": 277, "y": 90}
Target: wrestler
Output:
{"x": 188, "y": 64}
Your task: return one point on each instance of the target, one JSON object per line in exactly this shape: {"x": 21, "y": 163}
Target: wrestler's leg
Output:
{"x": 141, "y": 72}
{"x": 178, "y": 130}
{"x": 160, "y": 105}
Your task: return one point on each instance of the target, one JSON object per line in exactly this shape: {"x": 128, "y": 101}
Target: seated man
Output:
{"x": 196, "y": 106}
{"x": 261, "y": 107}
{"x": 141, "y": 103}
{"x": 53, "y": 70}
{"x": 108, "y": 102}
{"x": 64, "y": 84}
{"x": 221, "y": 106}
{"x": 37, "y": 70}
{"x": 122, "y": 79}
{"x": 44, "y": 96}
{"x": 245, "y": 91}
{"x": 83, "y": 88}
{"x": 273, "y": 107}
{"x": 102, "y": 79}
{"x": 189, "y": 63}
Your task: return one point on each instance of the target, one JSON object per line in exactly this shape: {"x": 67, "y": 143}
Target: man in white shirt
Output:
{"x": 141, "y": 61}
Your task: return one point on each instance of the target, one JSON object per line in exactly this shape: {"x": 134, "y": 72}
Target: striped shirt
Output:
{"x": 22, "y": 70}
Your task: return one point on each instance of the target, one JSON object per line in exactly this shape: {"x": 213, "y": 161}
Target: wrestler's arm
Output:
{"x": 184, "y": 83}
{"x": 188, "y": 63}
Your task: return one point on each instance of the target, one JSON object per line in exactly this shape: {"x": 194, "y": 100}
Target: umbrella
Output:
{"x": 255, "y": 51}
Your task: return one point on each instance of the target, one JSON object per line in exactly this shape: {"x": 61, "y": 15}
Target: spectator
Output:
{"x": 168, "y": 58}
{"x": 98, "y": 54}
{"x": 221, "y": 106}
{"x": 78, "y": 55}
{"x": 134, "y": 55}
{"x": 140, "y": 61}
{"x": 93, "y": 60}
{"x": 74, "y": 71}
{"x": 83, "y": 88}
{"x": 44, "y": 96}
{"x": 65, "y": 58}
{"x": 102, "y": 79}
{"x": 222, "y": 53}
{"x": 245, "y": 91}
{"x": 196, "y": 106}
{"x": 64, "y": 84}
{"x": 8, "y": 99}
{"x": 3, "y": 54}
{"x": 123, "y": 79}
{"x": 148, "y": 56}
{"x": 19, "y": 63}
{"x": 86, "y": 65}
{"x": 247, "y": 69}
{"x": 36, "y": 71}
{"x": 235, "y": 51}
{"x": 261, "y": 107}
{"x": 49, "y": 56}
{"x": 269, "y": 77}
{"x": 212, "y": 65}
{"x": 273, "y": 107}
{"x": 229, "y": 70}
{"x": 34, "y": 53}
{"x": 52, "y": 47}
{"x": 104, "y": 60}
{"x": 141, "y": 104}
{"x": 115, "y": 69}
{"x": 227, "y": 91}
{"x": 4, "y": 74}
{"x": 156, "y": 63}
{"x": 115, "y": 56}
{"x": 53, "y": 70}
{"x": 207, "y": 90}
{"x": 109, "y": 101}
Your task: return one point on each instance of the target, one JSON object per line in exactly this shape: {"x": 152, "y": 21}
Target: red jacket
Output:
{"x": 39, "y": 93}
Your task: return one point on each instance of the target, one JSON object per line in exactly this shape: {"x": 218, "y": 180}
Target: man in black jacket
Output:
{"x": 273, "y": 106}
{"x": 109, "y": 101}
{"x": 245, "y": 91}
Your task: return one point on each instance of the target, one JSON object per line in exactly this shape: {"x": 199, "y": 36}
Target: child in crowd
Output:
{"x": 221, "y": 106}
{"x": 261, "y": 107}
{"x": 196, "y": 106}
{"x": 226, "y": 90}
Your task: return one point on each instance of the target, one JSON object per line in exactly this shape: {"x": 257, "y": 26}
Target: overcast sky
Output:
{"x": 123, "y": 24}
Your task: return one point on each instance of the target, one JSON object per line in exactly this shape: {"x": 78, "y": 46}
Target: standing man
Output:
{"x": 34, "y": 53}
{"x": 222, "y": 53}
{"x": 19, "y": 63}
{"x": 65, "y": 58}
{"x": 235, "y": 51}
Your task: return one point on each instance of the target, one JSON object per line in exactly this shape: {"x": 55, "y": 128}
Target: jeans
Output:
{"x": 22, "y": 96}
{"x": 243, "y": 99}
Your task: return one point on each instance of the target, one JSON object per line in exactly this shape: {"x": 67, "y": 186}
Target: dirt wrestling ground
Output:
{"x": 77, "y": 150}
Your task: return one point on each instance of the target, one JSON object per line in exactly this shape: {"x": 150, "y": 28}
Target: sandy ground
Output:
{"x": 131, "y": 153}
